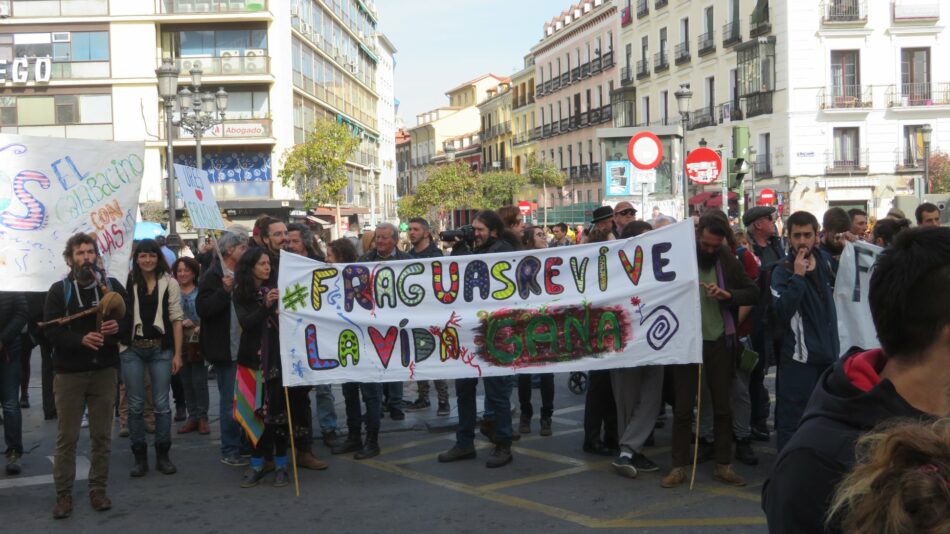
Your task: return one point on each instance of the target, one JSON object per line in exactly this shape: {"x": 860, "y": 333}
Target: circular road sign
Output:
{"x": 703, "y": 166}
{"x": 524, "y": 207}
{"x": 767, "y": 196}
{"x": 645, "y": 151}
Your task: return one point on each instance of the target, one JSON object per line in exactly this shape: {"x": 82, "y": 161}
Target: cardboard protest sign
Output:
{"x": 52, "y": 188}
{"x": 195, "y": 189}
{"x": 597, "y": 306}
{"x": 855, "y": 325}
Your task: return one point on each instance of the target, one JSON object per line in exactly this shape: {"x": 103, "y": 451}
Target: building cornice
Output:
{"x": 548, "y": 43}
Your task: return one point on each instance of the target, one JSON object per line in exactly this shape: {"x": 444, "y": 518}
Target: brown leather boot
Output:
{"x": 725, "y": 474}
{"x": 203, "y": 427}
{"x": 63, "y": 507}
{"x": 99, "y": 501}
{"x": 190, "y": 426}
{"x": 307, "y": 460}
{"x": 675, "y": 478}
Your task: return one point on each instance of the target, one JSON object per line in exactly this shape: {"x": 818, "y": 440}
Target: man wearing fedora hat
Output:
{"x": 603, "y": 217}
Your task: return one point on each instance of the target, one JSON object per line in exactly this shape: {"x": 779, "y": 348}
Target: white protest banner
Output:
{"x": 598, "y": 306}
{"x": 195, "y": 189}
{"x": 52, "y": 188}
{"x": 855, "y": 326}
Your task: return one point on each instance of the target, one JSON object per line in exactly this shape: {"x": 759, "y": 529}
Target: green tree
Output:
{"x": 447, "y": 188}
{"x": 407, "y": 207}
{"x": 939, "y": 173}
{"x": 544, "y": 174}
{"x": 500, "y": 188}
{"x": 317, "y": 167}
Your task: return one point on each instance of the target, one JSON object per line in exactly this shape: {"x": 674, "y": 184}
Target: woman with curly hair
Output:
{"x": 901, "y": 483}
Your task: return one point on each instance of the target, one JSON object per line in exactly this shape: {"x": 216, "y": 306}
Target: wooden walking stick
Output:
{"x": 699, "y": 402}
{"x": 293, "y": 446}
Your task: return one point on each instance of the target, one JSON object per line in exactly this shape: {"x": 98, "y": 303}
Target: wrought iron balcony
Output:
{"x": 701, "y": 118}
{"x": 918, "y": 94}
{"x": 595, "y": 116}
{"x": 729, "y": 111}
{"x": 758, "y": 104}
{"x": 565, "y": 79}
{"x": 595, "y": 170}
{"x": 763, "y": 167}
{"x": 706, "y": 43}
{"x": 643, "y": 69}
{"x": 626, "y": 76}
{"x": 643, "y": 8}
{"x": 845, "y": 97}
{"x": 585, "y": 70}
{"x": 661, "y": 62}
{"x": 848, "y": 162}
{"x": 760, "y": 26}
{"x": 844, "y": 11}
{"x": 595, "y": 65}
{"x": 731, "y": 33}
{"x": 608, "y": 60}
{"x": 660, "y": 3}
{"x": 681, "y": 53}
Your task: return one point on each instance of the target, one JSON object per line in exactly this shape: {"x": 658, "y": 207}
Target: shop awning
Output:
{"x": 717, "y": 199}
{"x": 700, "y": 198}
{"x": 369, "y": 53}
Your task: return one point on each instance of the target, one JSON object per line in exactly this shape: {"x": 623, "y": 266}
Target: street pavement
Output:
{"x": 552, "y": 485}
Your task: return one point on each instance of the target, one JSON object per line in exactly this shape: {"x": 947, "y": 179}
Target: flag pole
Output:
{"x": 699, "y": 402}
{"x": 293, "y": 447}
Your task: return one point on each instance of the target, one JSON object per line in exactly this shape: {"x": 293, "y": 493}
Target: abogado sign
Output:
{"x": 18, "y": 71}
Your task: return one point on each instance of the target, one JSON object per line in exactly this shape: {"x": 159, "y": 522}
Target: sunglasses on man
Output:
{"x": 626, "y": 212}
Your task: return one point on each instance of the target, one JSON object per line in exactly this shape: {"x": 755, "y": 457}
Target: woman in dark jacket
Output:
{"x": 259, "y": 357}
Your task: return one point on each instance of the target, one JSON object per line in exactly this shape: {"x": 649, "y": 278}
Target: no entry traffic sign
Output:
{"x": 645, "y": 151}
{"x": 767, "y": 196}
{"x": 703, "y": 166}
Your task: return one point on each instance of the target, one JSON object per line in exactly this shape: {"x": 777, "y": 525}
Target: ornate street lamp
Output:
{"x": 167, "y": 75}
{"x": 925, "y": 132}
{"x": 683, "y": 97}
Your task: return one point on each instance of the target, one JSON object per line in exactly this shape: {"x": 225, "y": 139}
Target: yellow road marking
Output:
{"x": 416, "y": 443}
{"x": 532, "y": 479}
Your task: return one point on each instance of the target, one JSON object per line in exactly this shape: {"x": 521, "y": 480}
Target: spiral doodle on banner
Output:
{"x": 663, "y": 328}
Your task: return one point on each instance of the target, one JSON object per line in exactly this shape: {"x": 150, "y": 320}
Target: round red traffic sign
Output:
{"x": 703, "y": 165}
{"x": 645, "y": 151}
{"x": 767, "y": 196}
{"x": 524, "y": 207}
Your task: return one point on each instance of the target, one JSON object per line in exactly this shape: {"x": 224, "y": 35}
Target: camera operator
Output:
{"x": 488, "y": 229}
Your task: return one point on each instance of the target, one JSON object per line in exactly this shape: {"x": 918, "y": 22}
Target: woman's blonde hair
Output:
{"x": 900, "y": 483}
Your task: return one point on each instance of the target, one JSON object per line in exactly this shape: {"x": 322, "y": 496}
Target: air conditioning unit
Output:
{"x": 230, "y": 61}
{"x": 307, "y": 29}
{"x": 188, "y": 63}
{"x": 4, "y": 10}
{"x": 255, "y": 60}
{"x": 61, "y": 37}
{"x": 294, "y": 11}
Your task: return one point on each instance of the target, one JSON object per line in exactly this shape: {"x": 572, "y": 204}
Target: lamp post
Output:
{"x": 167, "y": 75}
{"x": 199, "y": 112}
{"x": 925, "y": 132}
{"x": 683, "y": 97}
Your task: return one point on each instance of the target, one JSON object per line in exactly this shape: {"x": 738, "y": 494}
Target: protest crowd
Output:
{"x": 862, "y": 432}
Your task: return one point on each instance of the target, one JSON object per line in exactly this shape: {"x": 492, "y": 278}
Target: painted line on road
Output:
{"x": 82, "y": 473}
{"x": 532, "y": 479}
{"x": 416, "y": 443}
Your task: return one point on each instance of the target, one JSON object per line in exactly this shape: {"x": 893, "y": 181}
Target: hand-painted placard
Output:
{"x": 855, "y": 325}
{"x": 52, "y": 188}
{"x": 195, "y": 189}
{"x": 597, "y": 306}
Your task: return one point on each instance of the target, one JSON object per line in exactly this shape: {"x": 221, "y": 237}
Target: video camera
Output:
{"x": 462, "y": 233}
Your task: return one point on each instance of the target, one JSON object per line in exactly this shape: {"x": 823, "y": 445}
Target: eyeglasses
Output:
{"x": 627, "y": 212}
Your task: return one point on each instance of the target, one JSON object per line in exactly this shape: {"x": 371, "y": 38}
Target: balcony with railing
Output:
{"x": 556, "y": 84}
{"x": 625, "y": 17}
{"x": 729, "y": 111}
{"x": 846, "y": 12}
{"x": 595, "y": 170}
{"x": 643, "y": 8}
{"x": 706, "y": 43}
{"x": 763, "y": 167}
{"x": 574, "y": 172}
{"x": 608, "y": 60}
{"x": 565, "y": 79}
{"x": 54, "y": 8}
{"x": 179, "y": 7}
{"x": 661, "y": 63}
{"x": 660, "y": 3}
{"x": 585, "y": 70}
{"x": 731, "y": 33}
{"x": 846, "y": 97}
{"x": 916, "y": 10}
{"x": 849, "y": 162}
{"x": 246, "y": 65}
{"x": 914, "y": 95}
{"x": 596, "y": 65}
{"x": 536, "y": 133}
{"x": 681, "y": 53}
{"x": 643, "y": 69}
{"x": 585, "y": 171}
{"x": 760, "y": 24}
{"x": 626, "y": 76}
{"x": 595, "y": 116}
{"x": 565, "y": 125}
{"x": 702, "y": 118}
{"x": 758, "y": 104}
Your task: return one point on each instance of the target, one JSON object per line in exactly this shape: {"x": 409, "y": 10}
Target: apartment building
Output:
{"x": 386, "y": 110}
{"x": 574, "y": 76}
{"x": 523, "y": 139}
{"x": 495, "y": 136}
{"x": 283, "y": 64}
{"x": 834, "y": 94}
{"x": 403, "y": 162}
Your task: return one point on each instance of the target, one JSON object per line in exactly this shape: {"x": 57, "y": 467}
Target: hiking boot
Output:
{"x": 163, "y": 463}
{"x": 330, "y": 438}
{"x": 99, "y": 501}
{"x": 203, "y": 427}
{"x": 189, "y": 426}
{"x": 644, "y": 464}
{"x": 370, "y": 448}
{"x": 624, "y": 467}
{"x": 744, "y": 452}
{"x": 443, "y": 409}
{"x": 140, "y": 465}
{"x": 307, "y": 460}
{"x": 500, "y": 456}
{"x": 546, "y": 426}
{"x": 13, "y": 463}
{"x": 63, "y": 507}
{"x": 352, "y": 443}
{"x": 707, "y": 451}
{"x": 457, "y": 453}
{"x": 725, "y": 474}
{"x": 252, "y": 477}
{"x": 281, "y": 477}
{"x": 524, "y": 425}
{"x": 674, "y": 478}
{"x": 419, "y": 404}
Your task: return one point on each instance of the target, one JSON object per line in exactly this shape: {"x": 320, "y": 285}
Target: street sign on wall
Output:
{"x": 703, "y": 166}
{"x": 645, "y": 151}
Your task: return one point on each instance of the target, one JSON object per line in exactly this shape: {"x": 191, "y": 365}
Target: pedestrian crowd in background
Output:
{"x": 766, "y": 299}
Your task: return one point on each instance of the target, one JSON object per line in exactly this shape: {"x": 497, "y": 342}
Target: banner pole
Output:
{"x": 217, "y": 249}
{"x": 293, "y": 446}
{"x": 699, "y": 402}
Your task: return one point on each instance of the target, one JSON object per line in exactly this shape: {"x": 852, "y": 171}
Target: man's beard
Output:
{"x": 706, "y": 260}
{"x": 833, "y": 247}
{"x": 809, "y": 250}
{"x": 84, "y": 273}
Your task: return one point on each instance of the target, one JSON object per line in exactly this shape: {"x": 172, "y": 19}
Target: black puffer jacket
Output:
{"x": 13, "y": 315}
{"x": 214, "y": 308}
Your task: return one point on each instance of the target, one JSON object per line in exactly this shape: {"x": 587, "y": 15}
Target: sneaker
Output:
{"x": 281, "y": 477}
{"x": 252, "y": 477}
{"x": 419, "y": 404}
{"x": 744, "y": 452}
{"x": 644, "y": 464}
{"x": 13, "y": 463}
{"x": 624, "y": 467}
{"x": 99, "y": 501}
{"x": 63, "y": 507}
{"x": 455, "y": 454}
{"x": 726, "y": 475}
{"x": 674, "y": 478}
{"x": 397, "y": 415}
{"x": 500, "y": 456}
{"x": 443, "y": 409}
{"x": 235, "y": 460}
{"x": 85, "y": 420}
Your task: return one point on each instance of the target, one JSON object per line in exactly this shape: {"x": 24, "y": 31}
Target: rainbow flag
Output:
{"x": 248, "y": 398}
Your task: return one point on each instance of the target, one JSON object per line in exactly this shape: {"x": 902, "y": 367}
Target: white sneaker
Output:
{"x": 85, "y": 420}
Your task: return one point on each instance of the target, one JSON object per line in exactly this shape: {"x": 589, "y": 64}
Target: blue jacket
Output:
{"x": 807, "y": 311}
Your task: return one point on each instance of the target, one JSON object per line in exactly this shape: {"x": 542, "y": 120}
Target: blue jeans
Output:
{"x": 231, "y": 431}
{"x": 794, "y": 384}
{"x": 10, "y": 399}
{"x": 194, "y": 379}
{"x": 159, "y": 364}
{"x": 326, "y": 409}
{"x": 393, "y": 393}
{"x": 497, "y": 396}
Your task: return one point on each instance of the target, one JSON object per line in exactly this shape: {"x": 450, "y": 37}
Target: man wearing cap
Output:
{"x": 603, "y": 217}
{"x": 624, "y": 212}
{"x": 768, "y": 249}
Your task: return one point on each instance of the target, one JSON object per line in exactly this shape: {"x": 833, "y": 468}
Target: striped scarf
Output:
{"x": 248, "y": 402}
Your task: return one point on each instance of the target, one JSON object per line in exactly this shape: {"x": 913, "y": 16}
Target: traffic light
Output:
{"x": 738, "y": 169}
{"x": 738, "y": 164}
